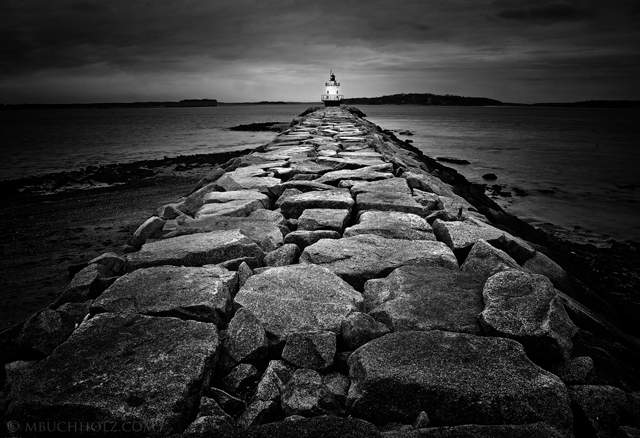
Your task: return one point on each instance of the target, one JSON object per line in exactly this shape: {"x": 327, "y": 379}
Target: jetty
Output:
{"x": 331, "y": 283}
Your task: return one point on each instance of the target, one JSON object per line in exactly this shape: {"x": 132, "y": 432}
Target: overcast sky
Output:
{"x": 251, "y": 50}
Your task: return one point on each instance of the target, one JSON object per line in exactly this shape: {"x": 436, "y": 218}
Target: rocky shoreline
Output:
{"x": 335, "y": 282}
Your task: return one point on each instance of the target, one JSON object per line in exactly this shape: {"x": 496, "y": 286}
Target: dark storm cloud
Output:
{"x": 252, "y": 46}
{"x": 62, "y": 35}
{"x": 549, "y": 12}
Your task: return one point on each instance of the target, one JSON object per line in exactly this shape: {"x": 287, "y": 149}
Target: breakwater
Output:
{"x": 330, "y": 283}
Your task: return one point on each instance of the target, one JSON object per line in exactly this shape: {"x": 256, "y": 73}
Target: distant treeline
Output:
{"x": 423, "y": 99}
{"x": 110, "y": 105}
{"x": 595, "y": 104}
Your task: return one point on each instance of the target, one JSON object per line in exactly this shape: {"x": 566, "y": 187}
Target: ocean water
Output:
{"x": 43, "y": 141}
{"x": 579, "y": 167}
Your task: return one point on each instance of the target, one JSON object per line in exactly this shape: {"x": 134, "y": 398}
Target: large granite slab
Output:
{"x": 201, "y": 294}
{"x": 456, "y": 379}
{"x": 293, "y": 206}
{"x": 195, "y": 250}
{"x": 366, "y": 256}
{"x": 392, "y": 225}
{"x": 426, "y": 298}
{"x": 298, "y": 298}
{"x": 120, "y": 370}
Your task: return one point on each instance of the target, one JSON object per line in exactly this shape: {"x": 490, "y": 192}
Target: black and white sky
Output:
{"x": 251, "y": 50}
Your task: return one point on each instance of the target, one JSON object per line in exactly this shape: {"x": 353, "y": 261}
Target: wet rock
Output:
{"x": 313, "y": 350}
{"x": 201, "y": 294}
{"x": 287, "y": 254}
{"x": 599, "y": 410}
{"x": 44, "y": 331}
{"x": 296, "y": 298}
{"x": 456, "y": 378}
{"x": 392, "y": 225}
{"x": 426, "y": 298}
{"x": 490, "y": 176}
{"x": 525, "y": 307}
{"x": 121, "y": 369}
{"x": 313, "y": 219}
{"x": 306, "y": 395}
{"x": 246, "y": 339}
{"x": 360, "y": 258}
{"x": 241, "y": 381}
{"x": 359, "y": 328}
{"x": 112, "y": 261}
{"x": 86, "y": 285}
{"x": 302, "y": 239}
{"x": 260, "y": 412}
{"x": 338, "y": 386}
{"x": 541, "y": 264}
{"x": 273, "y": 380}
{"x": 195, "y": 250}
{"x": 486, "y": 260}
{"x": 293, "y": 206}
{"x": 152, "y": 227}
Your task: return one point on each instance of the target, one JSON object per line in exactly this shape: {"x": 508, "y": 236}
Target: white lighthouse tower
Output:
{"x": 332, "y": 96}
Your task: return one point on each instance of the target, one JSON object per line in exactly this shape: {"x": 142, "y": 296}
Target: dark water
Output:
{"x": 580, "y": 167}
{"x": 43, "y": 141}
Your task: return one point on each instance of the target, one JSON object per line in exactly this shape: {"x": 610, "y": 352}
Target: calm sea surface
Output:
{"x": 580, "y": 167}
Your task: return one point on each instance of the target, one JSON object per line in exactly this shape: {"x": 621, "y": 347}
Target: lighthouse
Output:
{"x": 332, "y": 96}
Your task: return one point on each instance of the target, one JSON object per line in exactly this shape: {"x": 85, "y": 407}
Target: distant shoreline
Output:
{"x": 412, "y": 99}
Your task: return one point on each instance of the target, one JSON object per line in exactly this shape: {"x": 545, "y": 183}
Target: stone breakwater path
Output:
{"x": 326, "y": 284}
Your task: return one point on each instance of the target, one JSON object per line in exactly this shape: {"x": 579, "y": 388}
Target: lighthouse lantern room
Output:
{"x": 332, "y": 96}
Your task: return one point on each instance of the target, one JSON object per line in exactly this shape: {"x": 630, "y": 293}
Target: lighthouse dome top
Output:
{"x": 332, "y": 76}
